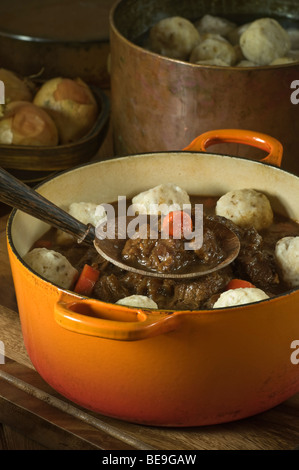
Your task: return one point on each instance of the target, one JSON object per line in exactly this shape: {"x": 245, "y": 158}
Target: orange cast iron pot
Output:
{"x": 185, "y": 368}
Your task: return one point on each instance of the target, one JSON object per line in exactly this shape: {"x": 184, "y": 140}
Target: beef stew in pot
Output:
{"x": 256, "y": 267}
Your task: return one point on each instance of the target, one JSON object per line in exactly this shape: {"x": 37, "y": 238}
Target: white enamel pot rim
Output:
{"x": 281, "y": 174}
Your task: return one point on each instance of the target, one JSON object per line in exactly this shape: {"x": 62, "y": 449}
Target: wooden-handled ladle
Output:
{"x": 18, "y": 195}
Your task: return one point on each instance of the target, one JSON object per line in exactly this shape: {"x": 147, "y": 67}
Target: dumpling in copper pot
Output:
{"x": 264, "y": 41}
{"x": 215, "y": 25}
{"x": 174, "y": 37}
{"x": 24, "y": 123}
{"x": 283, "y": 60}
{"x": 234, "y": 35}
{"x": 71, "y": 104}
{"x": 214, "y": 47}
{"x": 246, "y": 63}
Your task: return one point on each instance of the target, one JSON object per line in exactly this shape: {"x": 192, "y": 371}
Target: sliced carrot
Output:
{"x": 87, "y": 280}
{"x": 238, "y": 284}
{"x": 177, "y": 224}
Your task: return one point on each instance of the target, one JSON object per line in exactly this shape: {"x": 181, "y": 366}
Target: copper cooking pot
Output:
{"x": 162, "y": 104}
{"x": 185, "y": 368}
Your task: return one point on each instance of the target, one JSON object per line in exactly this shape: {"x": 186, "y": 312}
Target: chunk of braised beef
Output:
{"x": 79, "y": 255}
{"x": 254, "y": 262}
{"x": 192, "y": 295}
{"x": 259, "y": 268}
{"x": 109, "y": 288}
{"x": 228, "y": 223}
{"x": 159, "y": 290}
{"x": 211, "y": 250}
{"x": 159, "y": 254}
{"x": 75, "y": 253}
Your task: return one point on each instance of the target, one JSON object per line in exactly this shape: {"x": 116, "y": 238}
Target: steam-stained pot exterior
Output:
{"x": 181, "y": 369}
{"x": 163, "y": 104}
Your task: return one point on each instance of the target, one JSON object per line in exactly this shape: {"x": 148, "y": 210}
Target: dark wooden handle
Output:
{"x": 18, "y": 195}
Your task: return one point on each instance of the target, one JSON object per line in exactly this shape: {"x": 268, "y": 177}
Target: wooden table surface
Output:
{"x": 34, "y": 416}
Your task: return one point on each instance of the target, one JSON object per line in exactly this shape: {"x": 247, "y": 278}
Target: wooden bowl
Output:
{"x": 36, "y": 162}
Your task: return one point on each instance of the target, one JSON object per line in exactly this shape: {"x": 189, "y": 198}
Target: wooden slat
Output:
{"x": 10, "y": 439}
{"x": 33, "y": 408}
{"x": 7, "y": 294}
{"x": 11, "y": 336}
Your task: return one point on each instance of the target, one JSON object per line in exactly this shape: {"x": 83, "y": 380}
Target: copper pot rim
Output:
{"x": 228, "y": 68}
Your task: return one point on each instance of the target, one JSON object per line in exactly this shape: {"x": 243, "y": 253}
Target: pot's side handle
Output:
{"x": 111, "y": 321}
{"x": 240, "y": 136}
